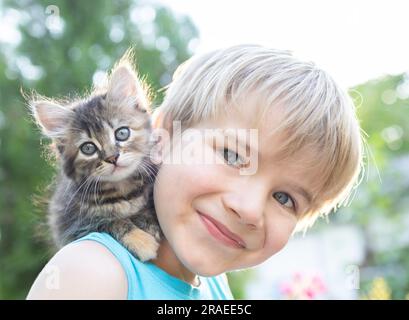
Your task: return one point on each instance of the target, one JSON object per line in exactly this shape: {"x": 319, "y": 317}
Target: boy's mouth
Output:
{"x": 221, "y": 232}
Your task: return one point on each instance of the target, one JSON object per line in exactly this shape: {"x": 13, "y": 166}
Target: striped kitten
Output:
{"x": 105, "y": 178}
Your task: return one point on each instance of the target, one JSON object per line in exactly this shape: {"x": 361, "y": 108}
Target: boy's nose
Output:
{"x": 249, "y": 208}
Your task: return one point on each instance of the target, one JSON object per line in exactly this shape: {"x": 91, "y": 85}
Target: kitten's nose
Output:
{"x": 112, "y": 159}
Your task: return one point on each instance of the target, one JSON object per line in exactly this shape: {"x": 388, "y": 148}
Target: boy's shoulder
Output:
{"x": 81, "y": 270}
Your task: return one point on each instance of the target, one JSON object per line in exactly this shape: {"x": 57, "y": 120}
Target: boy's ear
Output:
{"x": 124, "y": 86}
{"x": 51, "y": 117}
{"x": 156, "y": 118}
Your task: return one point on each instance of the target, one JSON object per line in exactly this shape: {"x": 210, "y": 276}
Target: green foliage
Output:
{"x": 238, "y": 281}
{"x": 380, "y": 206}
{"x": 94, "y": 35}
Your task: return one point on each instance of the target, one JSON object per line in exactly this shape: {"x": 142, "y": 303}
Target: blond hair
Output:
{"x": 317, "y": 111}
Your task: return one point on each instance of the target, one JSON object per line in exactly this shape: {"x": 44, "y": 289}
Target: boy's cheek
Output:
{"x": 272, "y": 247}
{"x": 201, "y": 178}
{"x": 205, "y": 178}
{"x": 183, "y": 184}
{"x": 278, "y": 235}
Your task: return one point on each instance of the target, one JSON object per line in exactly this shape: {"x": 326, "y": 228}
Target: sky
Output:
{"x": 353, "y": 40}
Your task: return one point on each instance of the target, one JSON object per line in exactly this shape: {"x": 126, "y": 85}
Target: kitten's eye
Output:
{"x": 284, "y": 199}
{"x": 122, "y": 134}
{"x": 88, "y": 148}
{"x": 233, "y": 158}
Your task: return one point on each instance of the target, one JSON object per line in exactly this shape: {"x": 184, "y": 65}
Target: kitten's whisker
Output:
{"x": 152, "y": 169}
{"x": 90, "y": 192}
{"x": 151, "y": 166}
{"x": 96, "y": 191}
{"x": 67, "y": 187}
{"x": 148, "y": 169}
{"x": 148, "y": 174}
{"x": 74, "y": 194}
{"x": 142, "y": 168}
{"x": 84, "y": 194}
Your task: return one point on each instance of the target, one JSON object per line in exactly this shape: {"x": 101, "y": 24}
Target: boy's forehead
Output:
{"x": 249, "y": 110}
{"x": 246, "y": 114}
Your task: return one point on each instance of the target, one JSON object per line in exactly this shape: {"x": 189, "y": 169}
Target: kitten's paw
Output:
{"x": 141, "y": 243}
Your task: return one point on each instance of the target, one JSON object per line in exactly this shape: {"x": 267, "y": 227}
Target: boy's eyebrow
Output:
{"x": 300, "y": 190}
{"x": 240, "y": 140}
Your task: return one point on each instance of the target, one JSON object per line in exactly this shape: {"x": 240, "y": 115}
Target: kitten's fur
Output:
{"x": 89, "y": 195}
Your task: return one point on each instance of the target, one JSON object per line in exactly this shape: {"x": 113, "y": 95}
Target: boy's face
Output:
{"x": 216, "y": 218}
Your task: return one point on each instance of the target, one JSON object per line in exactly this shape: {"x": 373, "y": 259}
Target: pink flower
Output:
{"x": 286, "y": 289}
{"x": 318, "y": 284}
{"x": 309, "y": 293}
{"x": 303, "y": 286}
{"x": 297, "y": 277}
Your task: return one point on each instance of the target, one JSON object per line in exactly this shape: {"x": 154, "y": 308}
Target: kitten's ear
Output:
{"x": 51, "y": 117}
{"x": 124, "y": 87}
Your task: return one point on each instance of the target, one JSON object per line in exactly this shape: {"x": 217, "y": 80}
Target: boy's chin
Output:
{"x": 204, "y": 268}
{"x": 209, "y": 268}
{"x": 204, "y": 272}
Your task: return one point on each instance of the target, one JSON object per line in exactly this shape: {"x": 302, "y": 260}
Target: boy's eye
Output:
{"x": 88, "y": 148}
{"x": 284, "y": 199}
{"x": 233, "y": 158}
{"x": 122, "y": 134}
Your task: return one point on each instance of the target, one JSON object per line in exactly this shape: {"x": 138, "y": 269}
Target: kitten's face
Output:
{"x": 105, "y": 142}
{"x": 105, "y": 137}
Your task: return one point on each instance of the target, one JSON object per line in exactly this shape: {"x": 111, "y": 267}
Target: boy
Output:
{"x": 239, "y": 209}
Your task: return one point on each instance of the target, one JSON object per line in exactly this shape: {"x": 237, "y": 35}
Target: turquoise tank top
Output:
{"x": 146, "y": 281}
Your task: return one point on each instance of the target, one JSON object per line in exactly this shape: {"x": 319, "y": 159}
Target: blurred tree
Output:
{"x": 61, "y": 49}
{"x": 380, "y": 205}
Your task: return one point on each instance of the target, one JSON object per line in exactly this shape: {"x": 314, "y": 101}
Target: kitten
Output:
{"x": 105, "y": 178}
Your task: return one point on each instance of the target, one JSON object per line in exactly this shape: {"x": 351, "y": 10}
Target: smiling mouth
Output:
{"x": 221, "y": 232}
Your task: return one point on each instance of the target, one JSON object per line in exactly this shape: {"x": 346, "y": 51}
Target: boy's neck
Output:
{"x": 168, "y": 261}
